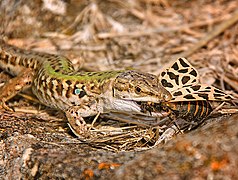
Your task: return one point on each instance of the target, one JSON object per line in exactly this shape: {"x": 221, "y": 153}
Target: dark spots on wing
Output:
{"x": 185, "y": 79}
{"x": 222, "y": 97}
{"x": 205, "y": 91}
{"x": 196, "y": 87}
{"x": 188, "y": 90}
{"x": 194, "y": 81}
{"x": 189, "y": 96}
{"x": 194, "y": 73}
{"x": 217, "y": 95}
{"x": 219, "y": 91}
{"x": 178, "y": 93}
{"x": 205, "y": 96}
{"x": 228, "y": 97}
{"x": 183, "y": 63}
{"x": 173, "y": 76}
{"x": 219, "y": 98}
{"x": 208, "y": 87}
{"x": 175, "y": 66}
{"x": 165, "y": 83}
{"x": 183, "y": 70}
{"x": 163, "y": 74}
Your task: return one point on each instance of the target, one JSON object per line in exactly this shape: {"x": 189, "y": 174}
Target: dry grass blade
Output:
{"x": 91, "y": 20}
{"x": 211, "y": 35}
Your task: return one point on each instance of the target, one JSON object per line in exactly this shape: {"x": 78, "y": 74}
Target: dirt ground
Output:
{"x": 145, "y": 35}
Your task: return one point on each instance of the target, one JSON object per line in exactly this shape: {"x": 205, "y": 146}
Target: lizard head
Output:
{"x": 138, "y": 86}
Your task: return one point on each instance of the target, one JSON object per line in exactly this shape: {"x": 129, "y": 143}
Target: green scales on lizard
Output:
{"x": 79, "y": 94}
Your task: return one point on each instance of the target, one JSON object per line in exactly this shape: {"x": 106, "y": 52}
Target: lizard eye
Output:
{"x": 137, "y": 90}
{"x": 81, "y": 93}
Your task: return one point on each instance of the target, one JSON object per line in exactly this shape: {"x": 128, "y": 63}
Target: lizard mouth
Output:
{"x": 152, "y": 109}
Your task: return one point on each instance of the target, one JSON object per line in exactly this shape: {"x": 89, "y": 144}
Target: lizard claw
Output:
{"x": 4, "y": 106}
{"x": 77, "y": 124}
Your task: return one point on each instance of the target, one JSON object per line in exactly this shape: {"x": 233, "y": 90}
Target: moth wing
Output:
{"x": 200, "y": 92}
{"x": 181, "y": 73}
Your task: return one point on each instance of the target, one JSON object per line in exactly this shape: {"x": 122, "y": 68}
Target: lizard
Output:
{"x": 56, "y": 84}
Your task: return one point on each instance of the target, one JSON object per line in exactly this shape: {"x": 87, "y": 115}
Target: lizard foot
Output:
{"x": 4, "y": 106}
{"x": 77, "y": 124}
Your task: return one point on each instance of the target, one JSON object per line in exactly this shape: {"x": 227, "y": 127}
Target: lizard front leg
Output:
{"x": 76, "y": 121}
{"x": 14, "y": 86}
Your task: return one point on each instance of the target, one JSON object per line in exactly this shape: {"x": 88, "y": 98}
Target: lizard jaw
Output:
{"x": 129, "y": 106}
{"x": 121, "y": 105}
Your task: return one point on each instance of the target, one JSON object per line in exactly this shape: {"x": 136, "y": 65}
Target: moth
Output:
{"x": 182, "y": 81}
{"x": 190, "y": 99}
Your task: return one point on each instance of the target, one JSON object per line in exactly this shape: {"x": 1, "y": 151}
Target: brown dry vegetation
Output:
{"x": 145, "y": 35}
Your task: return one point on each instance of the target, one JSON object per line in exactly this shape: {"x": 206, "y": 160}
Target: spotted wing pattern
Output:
{"x": 181, "y": 73}
{"x": 200, "y": 92}
{"x": 182, "y": 81}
